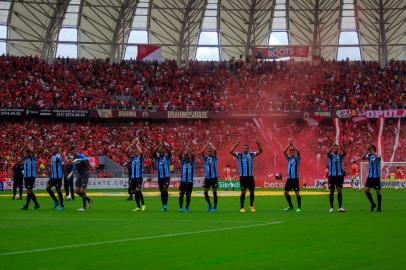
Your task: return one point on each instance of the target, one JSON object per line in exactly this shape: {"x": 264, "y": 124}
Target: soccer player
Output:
{"x": 136, "y": 177}
{"x": 374, "y": 177}
{"x": 30, "y": 163}
{"x": 68, "y": 179}
{"x": 336, "y": 176}
{"x": 187, "y": 161}
{"x": 162, "y": 156}
{"x": 57, "y": 173}
{"x": 245, "y": 166}
{"x": 210, "y": 174}
{"x": 292, "y": 182}
{"x": 401, "y": 176}
{"x": 18, "y": 179}
{"x": 81, "y": 176}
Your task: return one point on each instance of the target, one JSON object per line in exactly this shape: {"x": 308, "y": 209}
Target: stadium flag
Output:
{"x": 337, "y": 125}
{"x": 149, "y": 53}
{"x": 279, "y": 52}
{"x": 380, "y": 137}
{"x": 396, "y": 144}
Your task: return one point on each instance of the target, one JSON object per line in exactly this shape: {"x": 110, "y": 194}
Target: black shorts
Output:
{"x": 373, "y": 183}
{"x": 335, "y": 182}
{"x": 82, "y": 181}
{"x": 185, "y": 187}
{"x": 211, "y": 183}
{"x": 55, "y": 182}
{"x": 29, "y": 182}
{"x": 247, "y": 182}
{"x": 136, "y": 183}
{"x": 292, "y": 184}
{"x": 163, "y": 182}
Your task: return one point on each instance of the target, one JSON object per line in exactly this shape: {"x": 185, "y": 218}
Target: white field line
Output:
{"x": 136, "y": 239}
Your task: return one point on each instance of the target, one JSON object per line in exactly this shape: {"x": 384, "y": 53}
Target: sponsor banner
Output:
{"x": 229, "y": 184}
{"x": 371, "y": 114}
{"x": 279, "y": 52}
{"x": 64, "y": 113}
{"x": 188, "y": 115}
{"x": 10, "y": 112}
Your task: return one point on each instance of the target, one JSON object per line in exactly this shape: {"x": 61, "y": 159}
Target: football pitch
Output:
{"x": 111, "y": 236}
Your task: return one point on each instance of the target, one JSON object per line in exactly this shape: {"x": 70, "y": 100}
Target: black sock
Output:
{"x": 34, "y": 199}
{"x": 289, "y": 200}
{"x": 206, "y": 196}
{"x": 181, "y": 200}
{"x": 166, "y": 197}
{"x": 137, "y": 199}
{"x": 28, "y": 199}
{"x": 252, "y": 197}
{"x": 60, "y": 196}
{"x": 369, "y": 196}
{"x": 141, "y": 196}
{"x": 51, "y": 193}
{"x": 188, "y": 198}
{"x": 331, "y": 197}
{"x": 163, "y": 197}
{"x": 21, "y": 193}
{"x": 14, "y": 190}
{"x": 299, "y": 201}
{"x": 215, "y": 198}
{"x": 83, "y": 195}
{"x": 242, "y": 200}
{"x": 379, "y": 198}
{"x": 340, "y": 199}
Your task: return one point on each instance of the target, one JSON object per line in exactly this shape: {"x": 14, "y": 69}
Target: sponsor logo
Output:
{"x": 188, "y": 115}
{"x": 127, "y": 114}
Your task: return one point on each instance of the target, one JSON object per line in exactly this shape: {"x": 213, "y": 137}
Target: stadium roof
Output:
{"x": 105, "y": 28}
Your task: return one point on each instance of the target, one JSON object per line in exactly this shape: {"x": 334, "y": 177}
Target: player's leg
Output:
{"x": 20, "y": 188}
{"x": 182, "y": 189}
{"x": 134, "y": 190}
{"x": 33, "y": 197}
{"x": 378, "y": 194}
{"x": 252, "y": 193}
{"x": 340, "y": 198}
{"x": 140, "y": 195}
{"x": 215, "y": 197}
{"x": 130, "y": 191}
{"x": 50, "y": 184}
{"x": 166, "y": 188}
{"x": 368, "y": 193}
{"x": 58, "y": 188}
{"x": 206, "y": 187}
{"x": 14, "y": 189}
{"x": 287, "y": 196}
{"x": 331, "y": 187}
{"x": 189, "y": 189}
{"x": 72, "y": 189}
{"x": 161, "y": 189}
{"x": 298, "y": 199}
{"x": 29, "y": 191}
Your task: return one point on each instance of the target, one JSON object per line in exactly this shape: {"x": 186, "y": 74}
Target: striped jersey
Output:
{"x": 374, "y": 166}
{"x": 335, "y": 164}
{"x": 187, "y": 168}
{"x": 57, "y": 166}
{"x": 293, "y": 167}
{"x": 136, "y": 166}
{"x": 30, "y": 163}
{"x": 162, "y": 165}
{"x": 245, "y": 163}
{"x": 210, "y": 167}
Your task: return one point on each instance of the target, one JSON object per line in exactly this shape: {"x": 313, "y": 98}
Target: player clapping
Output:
{"x": 162, "y": 156}
{"x": 186, "y": 184}
{"x": 136, "y": 174}
{"x": 292, "y": 182}
{"x": 210, "y": 174}
{"x": 336, "y": 176}
{"x": 374, "y": 177}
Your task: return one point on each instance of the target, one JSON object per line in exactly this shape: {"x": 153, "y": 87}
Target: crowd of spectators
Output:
{"x": 209, "y": 86}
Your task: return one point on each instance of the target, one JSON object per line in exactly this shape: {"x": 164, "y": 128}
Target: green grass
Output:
{"x": 313, "y": 239}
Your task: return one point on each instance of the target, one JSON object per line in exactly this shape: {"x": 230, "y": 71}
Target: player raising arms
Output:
{"x": 81, "y": 176}
{"x": 210, "y": 174}
{"x": 30, "y": 173}
{"x": 374, "y": 177}
{"x": 186, "y": 184}
{"x": 162, "y": 156}
{"x": 57, "y": 172}
{"x": 245, "y": 166}
{"x": 335, "y": 176}
{"x": 136, "y": 170}
{"x": 292, "y": 182}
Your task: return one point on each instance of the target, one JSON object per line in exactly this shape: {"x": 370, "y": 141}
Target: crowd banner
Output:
{"x": 371, "y": 114}
{"x": 281, "y": 51}
{"x": 149, "y": 53}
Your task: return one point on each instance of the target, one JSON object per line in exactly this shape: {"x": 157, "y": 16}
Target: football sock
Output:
{"x": 188, "y": 198}
{"x": 60, "y": 196}
{"x": 379, "y": 197}
{"x": 137, "y": 199}
{"x": 252, "y": 197}
{"x": 181, "y": 200}
{"x": 141, "y": 196}
{"x": 34, "y": 198}
{"x": 206, "y": 196}
{"x": 51, "y": 193}
{"x": 340, "y": 199}
{"x": 299, "y": 201}
{"x": 289, "y": 200}
{"x": 242, "y": 200}
{"x": 331, "y": 197}
{"x": 369, "y": 196}
{"x": 215, "y": 198}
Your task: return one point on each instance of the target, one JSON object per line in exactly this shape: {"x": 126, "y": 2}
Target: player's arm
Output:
{"x": 203, "y": 151}
{"x": 139, "y": 148}
{"x": 297, "y": 150}
{"x": 155, "y": 150}
{"x": 260, "y": 151}
{"x": 285, "y": 151}
{"x": 214, "y": 149}
{"x": 343, "y": 152}
{"x": 180, "y": 153}
{"x": 189, "y": 152}
{"x": 167, "y": 147}
{"x": 232, "y": 151}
